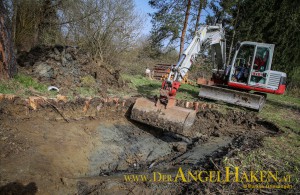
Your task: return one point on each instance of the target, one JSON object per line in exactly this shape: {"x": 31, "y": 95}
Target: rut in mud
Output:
{"x": 99, "y": 144}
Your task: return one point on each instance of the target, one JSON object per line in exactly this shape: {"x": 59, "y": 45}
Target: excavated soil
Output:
{"x": 72, "y": 148}
{"x": 68, "y": 67}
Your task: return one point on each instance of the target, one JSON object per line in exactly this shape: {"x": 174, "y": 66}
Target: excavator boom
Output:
{"x": 163, "y": 112}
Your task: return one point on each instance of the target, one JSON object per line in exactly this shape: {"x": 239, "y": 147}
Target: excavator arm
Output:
{"x": 214, "y": 36}
{"x": 162, "y": 111}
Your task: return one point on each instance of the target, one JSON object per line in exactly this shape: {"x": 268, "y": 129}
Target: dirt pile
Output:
{"x": 214, "y": 123}
{"x": 66, "y": 66}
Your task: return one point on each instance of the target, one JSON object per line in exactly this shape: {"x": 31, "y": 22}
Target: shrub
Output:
{"x": 87, "y": 81}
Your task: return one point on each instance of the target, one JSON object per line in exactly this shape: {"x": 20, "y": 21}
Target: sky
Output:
{"x": 144, "y": 8}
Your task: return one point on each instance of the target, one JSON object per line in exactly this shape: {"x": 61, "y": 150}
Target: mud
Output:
{"x": 89, "y": 154}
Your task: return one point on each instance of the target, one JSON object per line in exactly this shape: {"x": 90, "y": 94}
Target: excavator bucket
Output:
{"x": 175, "y": 119}
{"x": 248, "y": 100}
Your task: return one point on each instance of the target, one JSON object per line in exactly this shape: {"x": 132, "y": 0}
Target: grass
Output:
{"x": 282, "y": 110}
{"x": 278, "y": 154}
{"x": 22, "y": 85}
{"x": 284, "y": 99}
{"x": 148, "y": 87}
{"x": 29, "y": 82}
{"x": 7, "y": 87}
{"x": 285, "y": 118}
{"x": 86, "y": 91}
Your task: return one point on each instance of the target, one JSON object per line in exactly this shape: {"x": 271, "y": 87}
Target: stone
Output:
{"x": 43, "y": 70}
{"x": 63, "y": 61}
{"x": 57, "y": 57}
{"x": 56, "y": 51}
{"x": 68, "y": 57}
{"x": 180, "y": 147}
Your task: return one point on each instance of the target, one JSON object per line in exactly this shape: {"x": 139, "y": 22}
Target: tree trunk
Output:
{"x": 14, "y": 20}
{"x": 231, "y": 47}
{"x": 187, "y": 14}
{"x": 198, "y": 15}
{"x": 8, "y": 66}
{"x": 233, "y": 36}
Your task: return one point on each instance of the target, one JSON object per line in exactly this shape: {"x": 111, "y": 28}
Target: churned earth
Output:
{"x": 74, "y": 149}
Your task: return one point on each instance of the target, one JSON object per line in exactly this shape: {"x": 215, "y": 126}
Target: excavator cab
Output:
{"x": 257, "y": 74}
{"x": 250, "y": 71}
{"x": 251, "y": 64}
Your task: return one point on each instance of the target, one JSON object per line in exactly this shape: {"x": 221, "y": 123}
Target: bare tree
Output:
{"x": 48, "y": 31}
{"x": 105, "y": 28}
{"x": 7, "y": 57}
{"x": 27, "y": 16}
{"x": 35, "y": 22}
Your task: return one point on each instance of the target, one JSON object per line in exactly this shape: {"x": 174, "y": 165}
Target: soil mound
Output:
{"x": 66, "y": 66}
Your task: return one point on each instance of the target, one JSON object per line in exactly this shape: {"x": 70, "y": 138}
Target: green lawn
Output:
{"x": 283, "y": 110}
{"x": 144, "y": 86}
